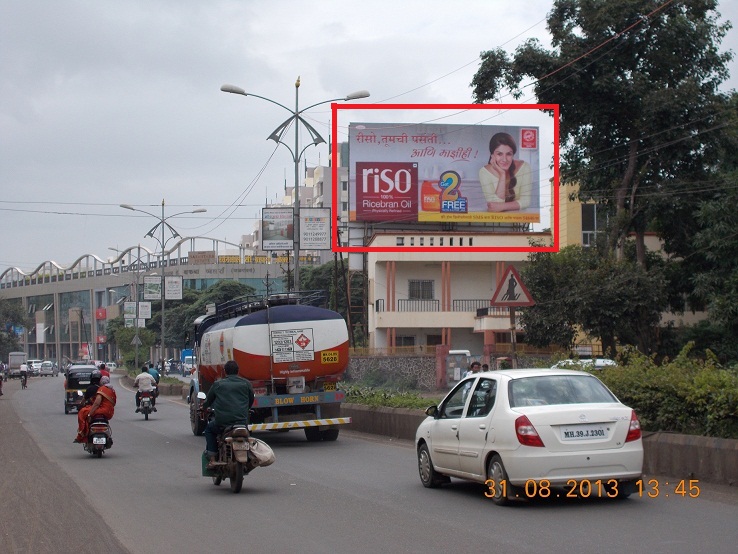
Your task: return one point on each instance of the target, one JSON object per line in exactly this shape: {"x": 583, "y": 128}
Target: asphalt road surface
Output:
{"x": 358, "y": 494}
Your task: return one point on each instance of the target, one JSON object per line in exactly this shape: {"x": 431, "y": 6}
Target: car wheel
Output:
{"x": 430, "y": 478}
{"x": 625, "y": 489}
{"x": 496, "y": 473}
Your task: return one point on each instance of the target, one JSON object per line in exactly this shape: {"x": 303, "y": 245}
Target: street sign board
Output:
{"x": 511, "y": 292}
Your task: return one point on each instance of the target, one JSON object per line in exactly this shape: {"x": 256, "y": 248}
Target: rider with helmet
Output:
{"x": 145, "y": 382}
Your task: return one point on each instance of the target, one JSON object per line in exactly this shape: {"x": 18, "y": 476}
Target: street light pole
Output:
{"x": 277, "y": 136}
{"x": 162, "y": 242}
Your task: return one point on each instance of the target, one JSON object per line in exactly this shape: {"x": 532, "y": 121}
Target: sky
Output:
{"x": 109, "y": 102}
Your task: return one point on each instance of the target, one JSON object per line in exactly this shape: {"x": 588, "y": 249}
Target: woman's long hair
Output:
{"x": 506, "y": 140}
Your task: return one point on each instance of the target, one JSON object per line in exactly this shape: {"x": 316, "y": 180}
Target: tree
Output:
{"x": 12, "y": 315}
{"x": 616, "y": 301}
{"x": 637, "y": 84}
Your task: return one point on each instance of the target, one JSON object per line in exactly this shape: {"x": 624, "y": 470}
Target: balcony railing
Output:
{"x": 404, "y": 305}
{"x": 462, "y": 305}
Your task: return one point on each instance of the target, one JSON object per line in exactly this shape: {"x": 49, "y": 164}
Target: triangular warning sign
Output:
{"x": 511, "y": 291}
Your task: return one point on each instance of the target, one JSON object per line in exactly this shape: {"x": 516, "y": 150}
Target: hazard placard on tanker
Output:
{"x": 293, "y": 345}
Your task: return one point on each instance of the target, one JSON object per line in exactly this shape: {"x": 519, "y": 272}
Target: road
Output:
{"x": 358, "y": 494}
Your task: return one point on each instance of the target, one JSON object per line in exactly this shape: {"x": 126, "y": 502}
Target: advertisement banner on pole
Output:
{"x": 144, "y": 310}
{"x": 315, "y": 228}
{"x": 152, "y": 287}
{"x": 173, "y": 287}
{"x": 129, "y": 310}
{"x": 277, "y": 229}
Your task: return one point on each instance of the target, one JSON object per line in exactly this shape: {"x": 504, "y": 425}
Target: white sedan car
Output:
{"x": 532, "y": 433}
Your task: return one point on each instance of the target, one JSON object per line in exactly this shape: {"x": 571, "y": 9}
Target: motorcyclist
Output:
{"x": 231, "y": 399}
{"x": 145, "y": 382}
{"x": 90, "y": 393}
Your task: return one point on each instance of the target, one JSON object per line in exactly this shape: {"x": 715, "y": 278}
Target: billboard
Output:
{"x": 315, "y": 228}
{"x": 439, "y": 173}
{"x": 152, "y": 287}
{"x": 277, "y": 229}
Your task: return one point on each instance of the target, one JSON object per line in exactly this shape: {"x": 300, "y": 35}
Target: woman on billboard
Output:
{"x": 505, "y": 181}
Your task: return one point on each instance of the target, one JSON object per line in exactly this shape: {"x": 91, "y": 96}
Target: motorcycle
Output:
{"x": 146, "y": 406}
{"x": 236, "y": 454}
{"x": 100, "y": 437}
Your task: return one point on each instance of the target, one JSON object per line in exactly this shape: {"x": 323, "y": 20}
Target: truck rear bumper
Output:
{"x": 300, "y": 424}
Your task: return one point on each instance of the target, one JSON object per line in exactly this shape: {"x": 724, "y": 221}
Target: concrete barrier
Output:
{"x": 678, "y": 456}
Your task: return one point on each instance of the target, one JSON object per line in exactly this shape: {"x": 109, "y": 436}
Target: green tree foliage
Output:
{"x": 336, "y": 279}
{"x": 11, "y": 315}
{"x": 180, "y": 315}
{"x": 717, "y": 242}
{"x": 615, "y": 301}
{"x": 641, "y": 115}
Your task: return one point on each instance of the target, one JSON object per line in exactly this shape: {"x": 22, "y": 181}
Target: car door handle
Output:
{"x": 482, "y": 426}
{"x": 454, "y": 427}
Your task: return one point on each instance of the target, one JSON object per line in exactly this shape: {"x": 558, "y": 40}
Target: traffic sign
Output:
{"x": 511, "y": 292}
{"x": 136, "y": 341}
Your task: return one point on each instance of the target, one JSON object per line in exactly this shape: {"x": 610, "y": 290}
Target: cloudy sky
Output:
{"x": 105, "y": 102}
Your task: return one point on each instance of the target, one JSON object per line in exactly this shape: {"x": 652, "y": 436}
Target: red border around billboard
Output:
{"x": 555, "y": 185}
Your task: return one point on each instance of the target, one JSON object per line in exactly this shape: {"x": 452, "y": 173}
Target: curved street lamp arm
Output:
{"x": 238, "y": 90}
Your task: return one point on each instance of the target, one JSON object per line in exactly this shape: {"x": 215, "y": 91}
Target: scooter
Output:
{"x": 99, "y": 438}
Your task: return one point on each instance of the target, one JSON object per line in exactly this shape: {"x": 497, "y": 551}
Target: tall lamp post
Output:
{"x": 277, "y": 136}
{"x": 162, "y": 242}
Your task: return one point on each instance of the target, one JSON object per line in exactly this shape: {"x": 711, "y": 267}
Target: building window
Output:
{"x": 420, "y": 289}
{"x": 593, "y": 221}
{"x": 344, "y": 186}
{"x": 412, "y": 241}
{"x": 344, "y": 206}
{"x": 451, "y": 241}
{"x": 440, "y": 241}
{"x": 404, "y": 341}
{"x": 431, "y": 241}
{"x": 471, "y": 241}
{"x": 461, "y": 241}
{"x": 421, "y": 241}
{"x": 400, "y": 241}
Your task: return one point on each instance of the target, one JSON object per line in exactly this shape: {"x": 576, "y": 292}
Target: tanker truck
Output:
{"x": 293, "y": 351}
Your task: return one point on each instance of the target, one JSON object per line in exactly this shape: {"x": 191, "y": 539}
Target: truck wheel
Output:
{"x": 197, "y": 424}
{"x": 66, "y": 409}
{"x": 329, "y": 434}
{"x": 312, "y": 434}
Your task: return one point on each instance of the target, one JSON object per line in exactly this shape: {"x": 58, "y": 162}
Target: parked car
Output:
{"x": 587, "y": 363}
{"x": 48, "y": 369}
{"x": 34, "y": 366}
{"x": 530, "y": 433}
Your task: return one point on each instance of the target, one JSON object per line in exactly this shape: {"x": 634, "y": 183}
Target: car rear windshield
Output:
{"x": 558, "y": 389}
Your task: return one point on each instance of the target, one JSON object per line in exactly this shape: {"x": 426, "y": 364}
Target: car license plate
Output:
{"x": 584, "y": 432}
{"x": 98, "y": 440}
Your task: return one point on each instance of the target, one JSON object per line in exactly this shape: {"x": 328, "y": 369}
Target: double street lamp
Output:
{"x": 278, "y": 135}
{"x": 162, "y": 242}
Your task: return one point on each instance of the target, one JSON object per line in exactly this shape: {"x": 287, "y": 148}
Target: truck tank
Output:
{"x": 277, "y": 343}
{"x": 293, "y": 351}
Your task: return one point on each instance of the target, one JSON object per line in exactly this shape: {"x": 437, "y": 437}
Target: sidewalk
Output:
{"x": 42, "y": 509}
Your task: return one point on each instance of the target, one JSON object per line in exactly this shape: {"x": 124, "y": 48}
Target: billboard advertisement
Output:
{"x": 315, "y": 228}
{"x": 277, "y": 229}
{"x": 439, "y": 173}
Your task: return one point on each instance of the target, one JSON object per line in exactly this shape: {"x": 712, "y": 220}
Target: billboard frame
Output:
{"x": 335, "y": 107}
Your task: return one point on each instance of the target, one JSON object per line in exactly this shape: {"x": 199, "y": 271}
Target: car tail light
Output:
{"x": 527, "y": 434}
{"x": 634, "y": 431}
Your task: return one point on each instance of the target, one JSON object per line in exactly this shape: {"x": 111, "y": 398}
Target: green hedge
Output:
{"x": 685, "y": 395}
{"x": 369, "y": 396}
